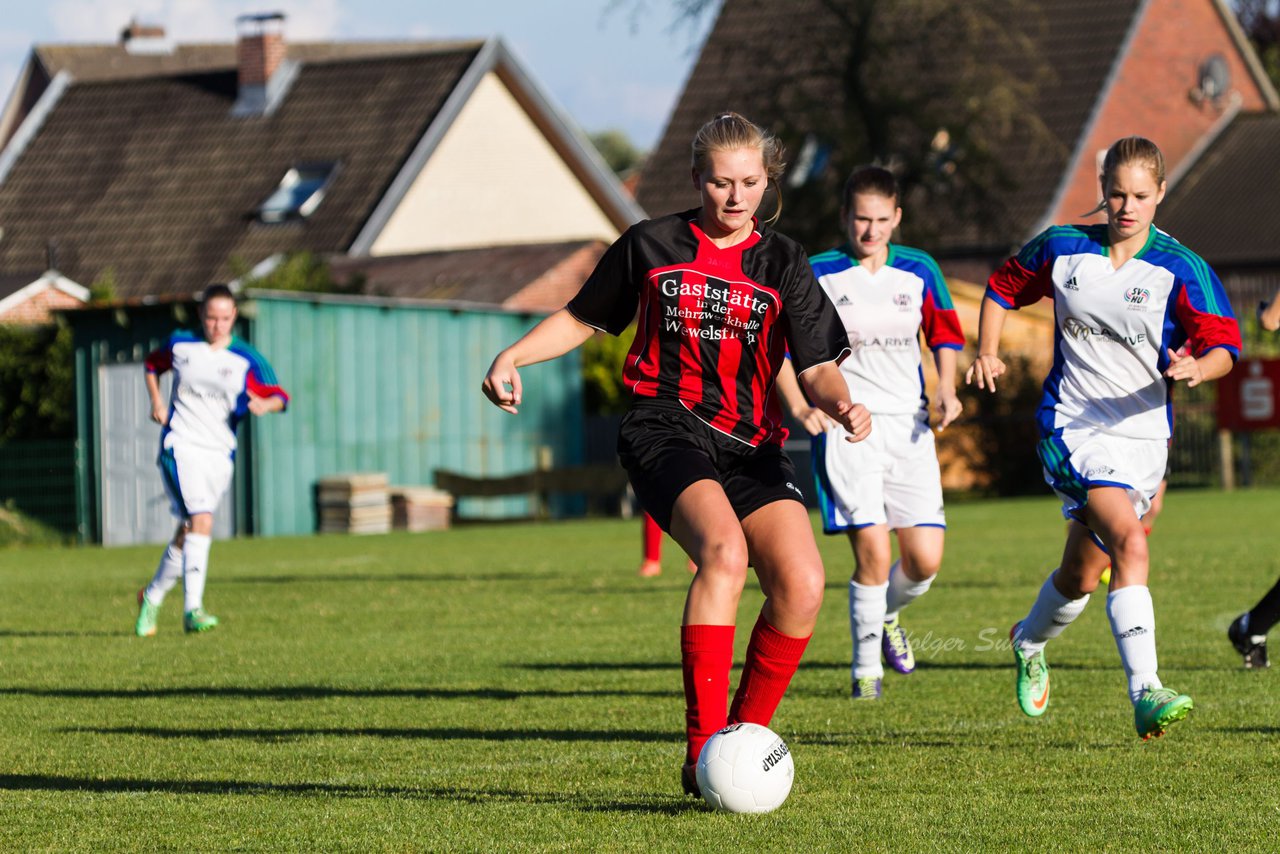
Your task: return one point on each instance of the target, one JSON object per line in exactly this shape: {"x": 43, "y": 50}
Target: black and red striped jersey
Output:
{"x": 714, "y": 324}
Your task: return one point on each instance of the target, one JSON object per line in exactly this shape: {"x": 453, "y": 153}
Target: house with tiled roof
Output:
{"x": 1177, "y": 71}
{"x": 438, "y": 174}
{"x": 166, "y": 167}
{"x": 29, "y": 299}
{"x": 1226, "y": 206}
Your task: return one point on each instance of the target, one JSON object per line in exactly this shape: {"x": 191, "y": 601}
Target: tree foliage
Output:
{"x": 617, "y": 151}
{"x": 938, "y": 91}
{"x": 300, "y": 271}
{"x": 602, "y": 359}
{"x": 1001, "y": 430}
{"x": 37, "y": 383}
{"x": 1261, "y": 22}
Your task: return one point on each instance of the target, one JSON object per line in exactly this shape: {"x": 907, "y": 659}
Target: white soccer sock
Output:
{"x": 167, "y": 575}
{"x": 195, "y": 564}
{"x": 1051, "y": 613}
{"x": 902, "y": 591}
{"x": 1133, "y": 622}
{"x": 866, "y": 627}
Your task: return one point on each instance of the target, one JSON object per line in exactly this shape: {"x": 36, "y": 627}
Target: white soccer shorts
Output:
{"x": 890, "y": 478}
{"x": 195, "y": 479}
{"x": 1077, "y": 460}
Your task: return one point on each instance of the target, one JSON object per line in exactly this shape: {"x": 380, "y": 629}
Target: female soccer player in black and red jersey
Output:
{"x": 721, "y": 297}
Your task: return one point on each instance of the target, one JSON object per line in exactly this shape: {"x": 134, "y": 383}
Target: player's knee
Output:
{"x": 807, "y": 593}
{"x": 921, "y": 566}
{"x": 873, "y": 562}
{"x": 724, "y": 557}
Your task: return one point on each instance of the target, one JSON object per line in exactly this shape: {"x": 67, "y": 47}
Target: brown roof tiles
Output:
{"x": 160, "y": 167}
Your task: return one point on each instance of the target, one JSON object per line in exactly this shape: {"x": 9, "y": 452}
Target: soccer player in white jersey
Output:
{"x": 885, "y": 294}
{"x": 217, "y": 380}
{"x": 1127, "y": 297}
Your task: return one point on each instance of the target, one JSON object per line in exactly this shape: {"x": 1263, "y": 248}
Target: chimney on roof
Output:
{"x": 260, "y": 62}
{"x": 145, "y": 37}
{"x": 259, "y": 47}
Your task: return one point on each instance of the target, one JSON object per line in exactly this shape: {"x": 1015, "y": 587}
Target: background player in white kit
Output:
{"x": 1126, "y": 297}
{"x": 217, "y": 380}
{"x": 886, "y": 295}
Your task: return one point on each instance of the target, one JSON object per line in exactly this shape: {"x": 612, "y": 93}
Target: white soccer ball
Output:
{"x": 745, "y": 768}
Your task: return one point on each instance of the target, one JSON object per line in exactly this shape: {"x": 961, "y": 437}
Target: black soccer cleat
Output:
{"x": 689, "y": 780}
{"x": 1252, "y": 647}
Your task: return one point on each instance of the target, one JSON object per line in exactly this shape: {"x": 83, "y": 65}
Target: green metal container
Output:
{"x": 377, "y": 385}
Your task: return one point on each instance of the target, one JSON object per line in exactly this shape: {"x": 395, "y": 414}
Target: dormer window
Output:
{"x": 300, "y": 192}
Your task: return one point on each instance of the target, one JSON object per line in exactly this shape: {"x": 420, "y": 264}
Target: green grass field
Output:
{"x": 517, "y": 688}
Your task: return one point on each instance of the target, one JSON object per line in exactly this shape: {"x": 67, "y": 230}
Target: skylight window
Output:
{"x": 299, "y": 194}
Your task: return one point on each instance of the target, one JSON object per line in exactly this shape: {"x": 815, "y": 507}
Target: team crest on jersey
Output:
{"x": 902, "y": 301}
{"x": 1137, "y": 298}
{"x": 225, "y": 373}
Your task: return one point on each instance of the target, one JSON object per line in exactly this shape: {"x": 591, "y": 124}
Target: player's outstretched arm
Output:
{"x": 947, "y": 404}
{"x": 265, "y": 405}
{"x": 554, "y": 336}
{"x": 815, "y": 421}
{"x": 828, "y": 390}
{"x": 159, "y": 412}
{"x": 988, "y": 366}
{"x": 1210, "y": 366}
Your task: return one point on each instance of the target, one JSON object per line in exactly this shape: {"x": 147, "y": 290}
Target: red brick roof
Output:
{"x": 535, "y": 277}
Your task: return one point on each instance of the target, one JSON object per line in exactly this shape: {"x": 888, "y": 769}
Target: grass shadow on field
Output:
{"x": 1246, "y": 730}
{"x": 929, "y": 664}
{"x": 635, "y": 666}
{"x": 284, "y": 734}
{"x": 958, "y": 583}
{"x": 61, "y": 633}
{"x": 359, "y": 578}
{"x": 320, "y": 692}
{"x": 665, "y": 804}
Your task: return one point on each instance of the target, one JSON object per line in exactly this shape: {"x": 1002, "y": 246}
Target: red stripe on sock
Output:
{"x": 772, "y": 659}
{"x": 706, "y": 655}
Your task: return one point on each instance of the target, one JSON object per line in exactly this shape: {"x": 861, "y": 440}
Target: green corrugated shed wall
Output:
{"x": 394, "y": 386}
{"x": 377, "y": 385}
{"x": 103, "y": 336}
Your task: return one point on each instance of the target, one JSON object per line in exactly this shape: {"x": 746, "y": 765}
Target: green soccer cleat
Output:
{"x": 896, "y": 647}
{"x": 146, "y": 625}
{"x": 198, "y": 621}
{"x": 867, "y": 688}
{"x": 1033, "y": 678}
{"x": 1157, "y": 709}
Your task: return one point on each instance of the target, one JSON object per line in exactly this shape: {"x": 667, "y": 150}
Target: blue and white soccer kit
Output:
{"x": 1106, "y": 416}
{"x": 892, "y": 476}
{"x": 211, "y": 393}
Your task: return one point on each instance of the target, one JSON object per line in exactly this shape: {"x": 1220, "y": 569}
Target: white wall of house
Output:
{"x": 493, "y": 179}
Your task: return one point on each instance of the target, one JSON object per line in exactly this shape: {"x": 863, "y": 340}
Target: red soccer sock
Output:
{"x": 772, "y": 659}
{"x": 706, "y": 654}
{"x": 652, "y": 540}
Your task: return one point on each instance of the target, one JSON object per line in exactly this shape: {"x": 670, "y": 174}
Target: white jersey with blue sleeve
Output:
{"x": 211, "y": 389}
{"x": 1115, "y": 326}
{"x": 883, "y": 314}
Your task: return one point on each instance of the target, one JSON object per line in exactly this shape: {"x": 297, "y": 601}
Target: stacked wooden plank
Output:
{"x": 355, "y": 503}
{"x": 420, "y": 508}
